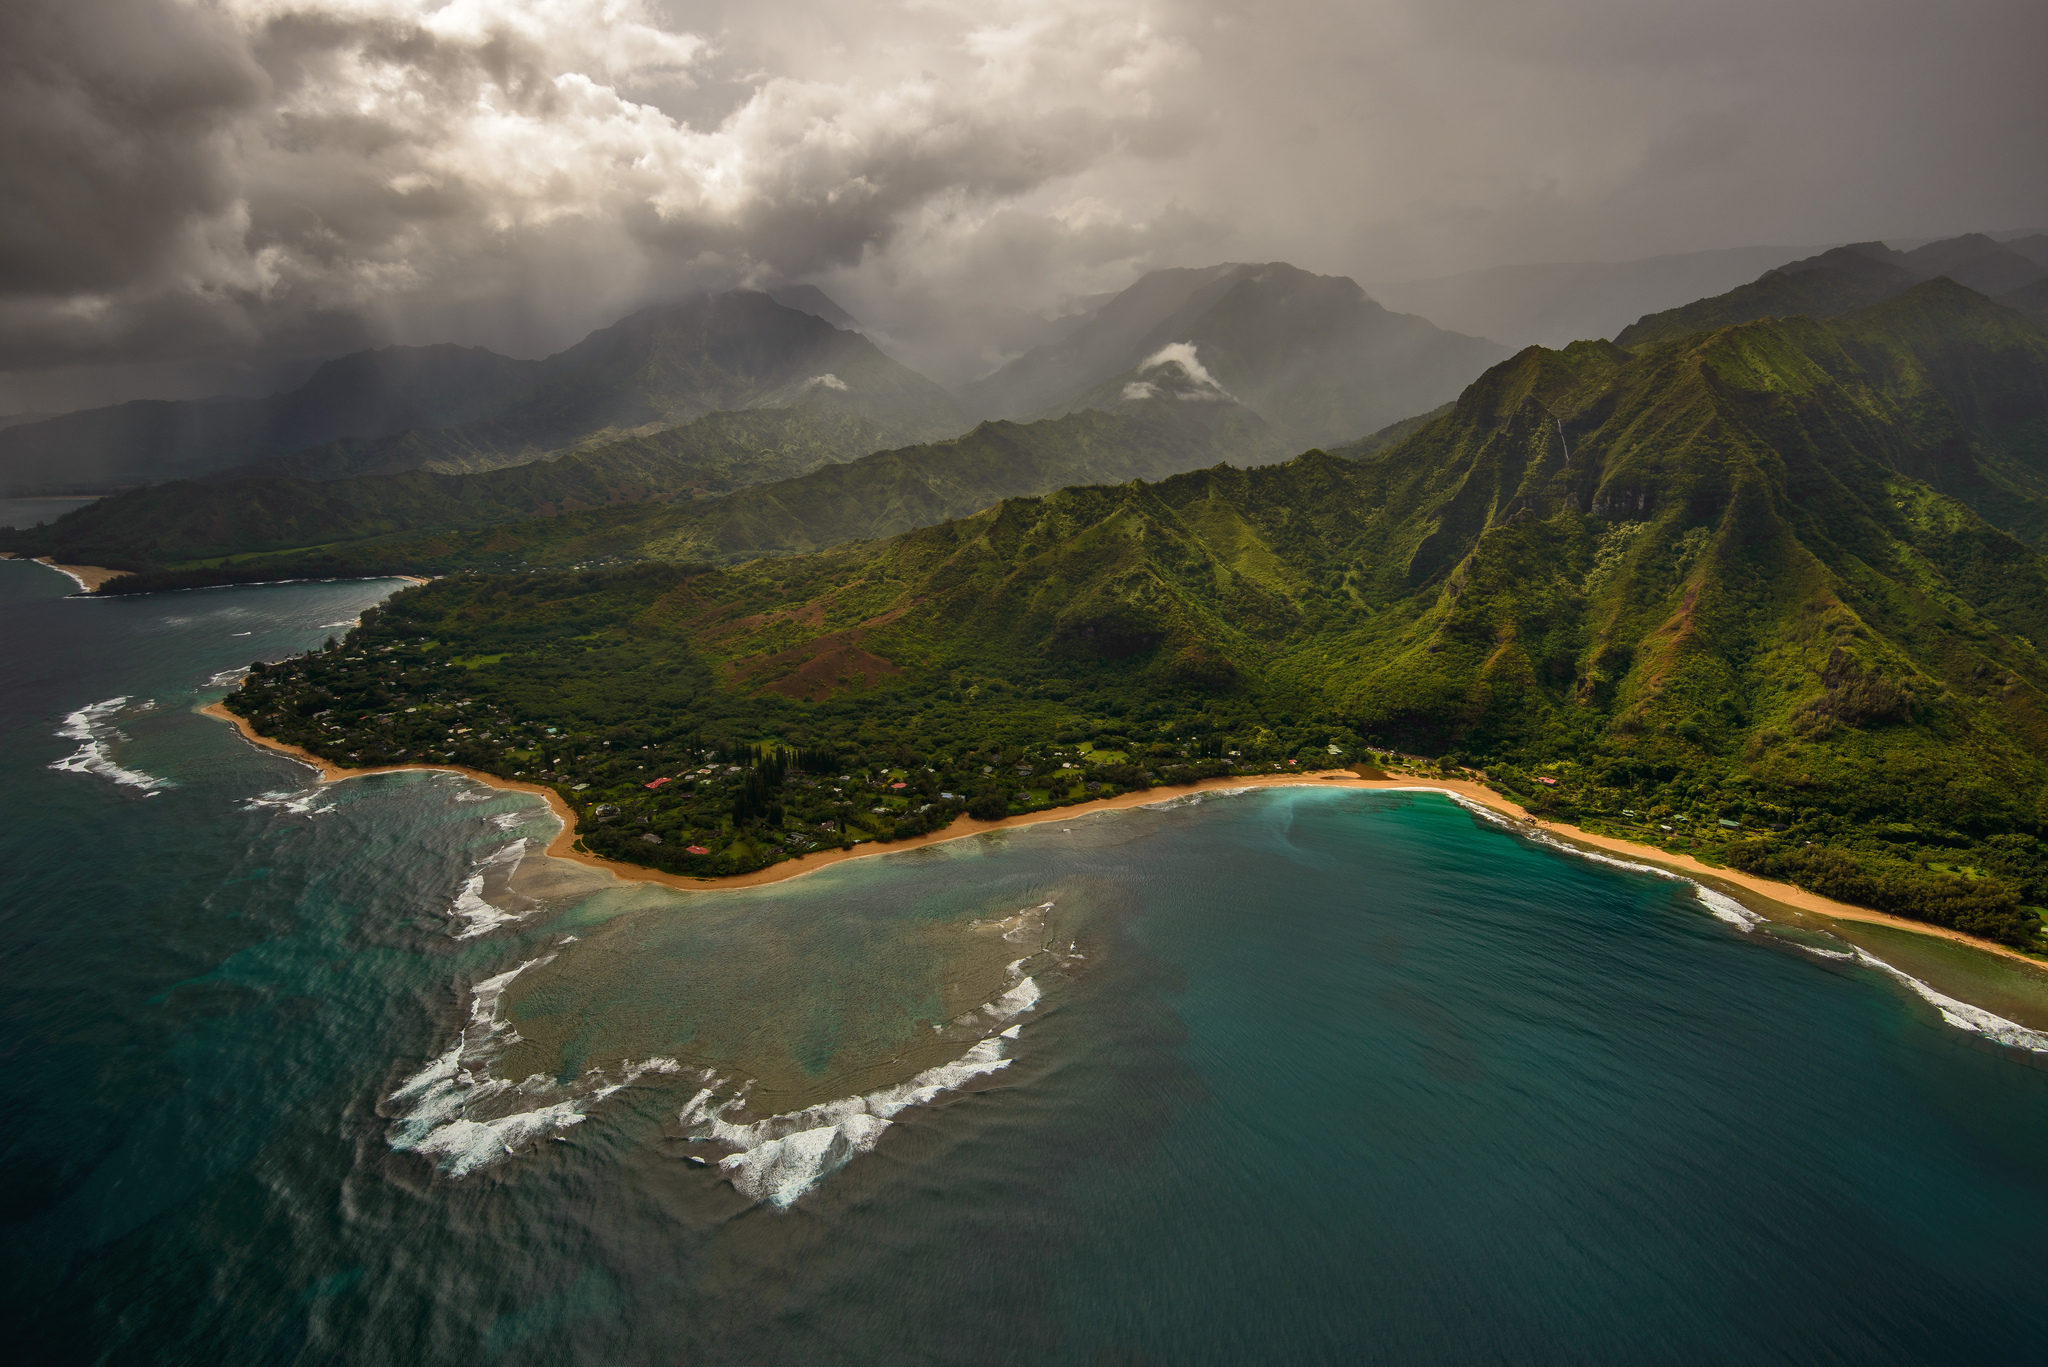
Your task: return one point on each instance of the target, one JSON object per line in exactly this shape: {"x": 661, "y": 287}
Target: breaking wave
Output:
{"x": 93, "y": 727}
{"x": 306, "y": 802}
{"x": 478, "y": 916}
{"x": 777, "y": 1159}
{"x": 1964, "y": 1016}
{"x": 1959, "y": 1014}
{"x": 454, "y": 1112}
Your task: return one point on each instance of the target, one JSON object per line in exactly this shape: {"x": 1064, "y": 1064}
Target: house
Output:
{"x": 657, "y": 783}
{"x": 697, "y": 849}
{"x": 1550, "y": 781}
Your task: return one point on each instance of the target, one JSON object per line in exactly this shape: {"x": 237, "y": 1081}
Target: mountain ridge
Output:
{"x": 463, "y": 409}
{"x": 1312, "y": 354}
{"x": 1693, "y": 587}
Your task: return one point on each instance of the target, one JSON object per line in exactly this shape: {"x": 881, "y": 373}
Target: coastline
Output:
{"x": 1731, "y": 881}
{"x": 87, "y": 577}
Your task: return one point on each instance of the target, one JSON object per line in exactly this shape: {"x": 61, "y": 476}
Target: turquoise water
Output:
{"x": 1302, "y": 1077}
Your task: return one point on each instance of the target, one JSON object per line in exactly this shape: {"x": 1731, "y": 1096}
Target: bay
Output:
{"x": 1300, "y": 1076}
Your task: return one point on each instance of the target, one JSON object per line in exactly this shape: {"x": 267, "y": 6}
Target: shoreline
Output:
{"x": 1731, "y": 881}
{"x": 87, "y": 577}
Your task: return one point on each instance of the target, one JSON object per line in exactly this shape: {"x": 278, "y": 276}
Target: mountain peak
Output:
{"x": 814, "y": 301}
{"x": 1311, "y": 354}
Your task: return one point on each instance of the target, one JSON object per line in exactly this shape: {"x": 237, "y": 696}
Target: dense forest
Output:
{"x": 1715, "y": 594}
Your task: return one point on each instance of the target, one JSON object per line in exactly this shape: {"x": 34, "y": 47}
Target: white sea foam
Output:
{"x": 94, "y": 729}
{"x": 1964, "y": 1016}
{"x": 228, "y": 676}
{"x": 447, "y": 1106}
{"x": 1193, "y": 799}
{"x": 478, "y": 916}
{"x": 1959, "y": 1014}
{"x": 1015, "y": 1002}
{"x": 512, "y": 821}
{"x": 778, "y": 1159}
{"x": 306, "y": 802}
{"x": 1727, "y": 908}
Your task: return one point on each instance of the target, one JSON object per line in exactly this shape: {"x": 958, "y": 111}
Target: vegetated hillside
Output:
{"x": 1695, "y": 586}
{"x": 1843, "y": 280}
{"x": 1970, "y": 378}
{"x": 369, "y": 393}
{"x": 659, "y": 367}
{"x": 1309, "y": 353}
{"x": 190, "y": 520}
{"x": 880, "y": 495}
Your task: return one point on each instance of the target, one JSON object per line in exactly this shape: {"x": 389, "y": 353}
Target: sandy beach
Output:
{"x": 1746, "y": 888}
{"x": 87, "y": 577}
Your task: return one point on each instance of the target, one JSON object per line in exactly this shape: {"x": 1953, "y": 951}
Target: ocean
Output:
{"x": 300, "y": 1074}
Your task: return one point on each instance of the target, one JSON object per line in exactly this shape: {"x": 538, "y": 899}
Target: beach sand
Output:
{"x": 87, "y": 577}
{"x": 1762, "y": 895}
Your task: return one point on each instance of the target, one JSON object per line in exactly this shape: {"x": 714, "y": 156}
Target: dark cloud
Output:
{"x": 113, "y": 114}
{"x": 234, "y": 184}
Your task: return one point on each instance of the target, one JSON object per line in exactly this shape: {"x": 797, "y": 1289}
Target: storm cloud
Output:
{"x": 198, "y": 190}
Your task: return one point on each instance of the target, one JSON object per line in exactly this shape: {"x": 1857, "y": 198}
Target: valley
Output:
{"x": 1768, "y": 594}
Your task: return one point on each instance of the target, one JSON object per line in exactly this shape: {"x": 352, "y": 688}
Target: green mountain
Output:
{"x": 1309, "y": 353}
{"x": 227, "y": 532}
{"x": 1843, "y": 280}
{"x": 657, "y": 368}
{"x": 1697, "y": 586}
{"x": 365, "y": 394}
{"x": 191, "y": 520}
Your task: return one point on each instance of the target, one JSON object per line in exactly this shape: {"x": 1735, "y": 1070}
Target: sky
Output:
{"x": 209, "y": 195}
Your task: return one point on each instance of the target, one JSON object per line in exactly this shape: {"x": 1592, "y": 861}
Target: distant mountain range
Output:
{"x": 1771, "y": 593}
{"x": 594, "y": 505}
{"x": 1311, "y": 354}
{"x": 1852, "y": 277}
{"x": 452, "y": 409}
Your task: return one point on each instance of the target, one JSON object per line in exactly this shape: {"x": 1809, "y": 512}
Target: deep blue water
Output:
{"x": 1314, "y": 1077}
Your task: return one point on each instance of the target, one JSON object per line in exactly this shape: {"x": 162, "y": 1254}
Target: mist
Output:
{"x": 211, "y": 196}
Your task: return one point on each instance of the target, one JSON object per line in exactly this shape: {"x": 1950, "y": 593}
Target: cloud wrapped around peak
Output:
{"x": 1200, "y": 383}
